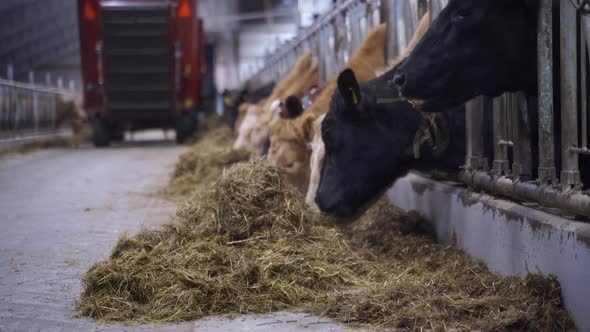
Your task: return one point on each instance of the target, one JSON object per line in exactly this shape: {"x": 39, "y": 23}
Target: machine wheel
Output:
{"x": 185, "y": 127}
{"x": 118, "y": 135}
{"x": 101, "y": 133}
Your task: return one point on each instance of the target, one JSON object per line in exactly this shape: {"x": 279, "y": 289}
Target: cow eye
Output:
{"x": 459, "y": 15}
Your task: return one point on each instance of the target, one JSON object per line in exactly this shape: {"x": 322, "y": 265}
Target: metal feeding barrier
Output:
{"x": 331, "y": 39}
{"x": 540, "y": 163}
{"x": 28, "y": 109}
{"x": 562, "y": 129}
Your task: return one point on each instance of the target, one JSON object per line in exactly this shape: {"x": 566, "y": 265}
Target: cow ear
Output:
{"x": 307, "y": 127}
{"x": 349, "y": 88}
{"x": 293, "y": 106}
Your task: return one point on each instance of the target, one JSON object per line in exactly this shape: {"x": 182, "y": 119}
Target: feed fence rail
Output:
{"x": 538, "y": 141}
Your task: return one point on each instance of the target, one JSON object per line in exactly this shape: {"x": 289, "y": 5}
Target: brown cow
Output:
{"x": 288, "y": 137}
{"x": 253, "y": 133}
{"x": 290, "y": 150}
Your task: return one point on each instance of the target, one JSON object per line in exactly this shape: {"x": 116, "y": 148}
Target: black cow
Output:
{"x": 369, "y": 139}
{"x": 482, "y": 47}
{"x": 474, "y": 47}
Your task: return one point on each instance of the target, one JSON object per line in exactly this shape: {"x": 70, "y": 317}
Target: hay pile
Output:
{"x": 209, "y": 153}
{"x": 436, "y": 287}
{"x": 249, "y": 245}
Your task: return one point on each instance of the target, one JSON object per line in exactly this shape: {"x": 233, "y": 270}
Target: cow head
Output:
{"x": 367, "y": 142}
{"x": 289, "y": 150}
{"x": 246, "y": 127}
{"x": 253, "y": 130}
{"x": 473, "y": 47}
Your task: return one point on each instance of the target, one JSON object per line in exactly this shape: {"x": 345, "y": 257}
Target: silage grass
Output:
{"x": 209, "y": 152}
{"x": 249, "y": 246}
{"x": 246, "y": 243}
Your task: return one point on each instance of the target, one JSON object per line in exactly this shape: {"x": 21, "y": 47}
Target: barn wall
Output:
{"x": 509, "y": 238}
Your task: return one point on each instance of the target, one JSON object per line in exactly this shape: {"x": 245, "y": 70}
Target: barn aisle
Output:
{"x": 62, "y": 210}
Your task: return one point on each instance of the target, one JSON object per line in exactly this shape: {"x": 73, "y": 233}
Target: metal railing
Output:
{"x": 521, "y": 166}
{"x": 331, "y": 39}
{"x": 512, "y": 170}
{"x": 29, "y": 108}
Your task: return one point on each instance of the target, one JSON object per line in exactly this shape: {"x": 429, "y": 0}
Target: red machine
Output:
{"x": 141, "y": 65}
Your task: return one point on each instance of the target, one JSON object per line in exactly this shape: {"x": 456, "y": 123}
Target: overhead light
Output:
{"x": 89, "y": 12}
{"x": 184, "y": 11}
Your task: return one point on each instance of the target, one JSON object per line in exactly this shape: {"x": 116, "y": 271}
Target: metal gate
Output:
{"x": 537, "y": 164}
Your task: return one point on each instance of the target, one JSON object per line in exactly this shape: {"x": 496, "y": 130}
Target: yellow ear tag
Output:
{"x": 354, "y": 97}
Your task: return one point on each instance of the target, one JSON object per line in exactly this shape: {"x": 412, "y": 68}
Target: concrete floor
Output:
{"x": 62, "y": 210}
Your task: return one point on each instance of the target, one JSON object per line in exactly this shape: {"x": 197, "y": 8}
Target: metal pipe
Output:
{"x": 584, "y": 81}
{"x": 436, "y": 6}
{"x": 422, "y": 8}
{"x": 318, "y": 26}
{"x": 570, "y": 176}
{"x": 388, "y": 16}
{"x": 474, "y": 118}
{"x": 573, "y": 201}
{"x": 368, "y": 15}
{"x": 340, "y": 39}
{"x": 408, "y": 21}
{"x": 585, "y": 22}
{"x": 500, "y": 163}
{"x": 584, "y": 150}
{"x": 522, "y": 136}
{"x": 547, "y": 172}
{"x": 10, "y": 72}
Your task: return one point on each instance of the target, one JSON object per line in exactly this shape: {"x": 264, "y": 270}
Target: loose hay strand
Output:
{"x": 248, "y": 244}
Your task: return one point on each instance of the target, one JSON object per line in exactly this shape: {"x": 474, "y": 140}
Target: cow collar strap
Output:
{"x": 433, "y": 131}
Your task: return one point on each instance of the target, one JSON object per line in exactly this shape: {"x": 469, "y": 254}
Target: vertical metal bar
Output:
{"x": 355, "y": 33}
{"x": 321, "y": 57}
{"x": 521, "y": 148}
{"x": 523, "y": 137}
{"x": 436, "y": 6}
{"x": 35, "y": 115}
{"x": 547, "y": 172}
{"x": 409, "y": 18}
{"x": 500, "y": 163}
{"x": 368, "y": 14}
{"x": 586, "y": 27}
{"x": 584, "y": 41}
{"x": 340, "y": 42}
{"x": 376, "y": 13}
{"x": 474, "y": 125}
{"x": 570, "y": 176}
{"x": 10, "y": 72}
{"x": 53, "y": 112}
{"x": 422, "y": 8}
{"x": 391, "y": 19}
{"x": 400, "y": 22}
{"x": 331, "y": 37}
